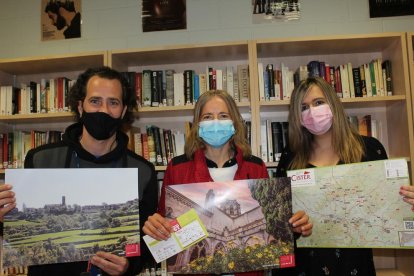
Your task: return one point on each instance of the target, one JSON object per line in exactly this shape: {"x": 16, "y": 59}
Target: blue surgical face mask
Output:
{"x": 216, "y": 132}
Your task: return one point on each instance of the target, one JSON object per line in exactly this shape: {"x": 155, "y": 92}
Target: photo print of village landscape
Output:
{"x": 66, "y": 215}
{"x": 246, "y": 221}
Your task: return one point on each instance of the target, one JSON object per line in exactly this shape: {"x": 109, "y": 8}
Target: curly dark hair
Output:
{"x": 78, "y": 91}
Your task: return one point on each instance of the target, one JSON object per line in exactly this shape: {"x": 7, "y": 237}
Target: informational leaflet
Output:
{"x": 188, "y": 230}
{"x": 355, "y": 205}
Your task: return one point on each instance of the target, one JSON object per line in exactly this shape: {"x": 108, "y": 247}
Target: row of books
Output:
{"x": 274, "y": 137}
{"x": 367, "y": 80}
{"x": 15, "y": 145}
{"x": 367, "y": 126}
{"x": 157, "y": 145}
{"x": 46, "y": 96}
{"x": 169, "y": 88}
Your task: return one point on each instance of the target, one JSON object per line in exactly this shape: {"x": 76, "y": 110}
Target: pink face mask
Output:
{"x": 318, "y": 120}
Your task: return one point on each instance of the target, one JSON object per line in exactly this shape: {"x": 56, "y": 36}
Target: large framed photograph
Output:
{"x": 60, "y": 19}
{"x": 246, "y": 221}
{"x": 67, "y": 215}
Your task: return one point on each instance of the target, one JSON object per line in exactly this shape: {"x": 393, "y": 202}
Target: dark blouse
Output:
{"x": 333, "y": 261}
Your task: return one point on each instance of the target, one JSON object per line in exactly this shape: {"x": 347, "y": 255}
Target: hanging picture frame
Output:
{"x": 386, "y": 8}
{"x": 60, "y": 19}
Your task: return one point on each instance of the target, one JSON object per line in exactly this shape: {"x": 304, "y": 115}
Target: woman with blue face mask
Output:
{"x": 217, "y": 150}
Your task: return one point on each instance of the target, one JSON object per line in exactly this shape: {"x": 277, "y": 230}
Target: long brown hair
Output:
{"x": 194, "y": 142}
{"x": 346, "y": 141}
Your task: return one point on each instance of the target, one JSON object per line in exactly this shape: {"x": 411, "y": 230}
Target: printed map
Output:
{"x": 355, "y": 205}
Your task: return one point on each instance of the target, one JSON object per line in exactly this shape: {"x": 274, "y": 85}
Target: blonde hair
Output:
{"x": 346, "y": 140}
{"x": 194, "y": 142}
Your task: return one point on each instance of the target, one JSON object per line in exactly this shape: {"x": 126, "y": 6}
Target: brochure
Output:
{"x": 188, "y": 230}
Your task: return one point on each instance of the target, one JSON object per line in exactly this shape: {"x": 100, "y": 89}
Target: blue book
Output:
{"x": 196, "y": 89}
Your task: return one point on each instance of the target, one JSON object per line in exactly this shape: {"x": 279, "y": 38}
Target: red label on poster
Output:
{"x": 132, "y": 250}
{"x": 175, "y": 225}
{"x": 287, "y": 261}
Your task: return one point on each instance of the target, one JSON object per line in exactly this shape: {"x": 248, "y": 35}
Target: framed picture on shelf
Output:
{"x": 385, "y": 8}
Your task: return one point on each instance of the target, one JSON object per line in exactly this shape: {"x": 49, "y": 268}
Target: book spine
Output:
{"x": 270, "y": 81}
{"x": 244, "y": 83}
{"x": 188, "y": 87}
{"x": 357, "y": 82}
{"x": 138, "y": 88}
{"x": 169, "y": 86}
{"x": 146, "y": 87}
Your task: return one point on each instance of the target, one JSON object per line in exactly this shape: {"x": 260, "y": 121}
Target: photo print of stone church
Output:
{"x": 238, "y": 239}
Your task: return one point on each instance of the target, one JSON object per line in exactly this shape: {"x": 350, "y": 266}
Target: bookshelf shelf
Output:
{"x": 39, "y": 117}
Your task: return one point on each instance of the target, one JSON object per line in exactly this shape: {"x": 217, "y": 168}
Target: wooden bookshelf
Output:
{"x": 395, "y": 111}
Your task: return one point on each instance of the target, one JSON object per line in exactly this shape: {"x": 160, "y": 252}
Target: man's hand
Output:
{"x": 110, "y": 263}
{"x": 7, "y": 200}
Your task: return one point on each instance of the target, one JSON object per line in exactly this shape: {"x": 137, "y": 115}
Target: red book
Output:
{"x": 60, "y": 92}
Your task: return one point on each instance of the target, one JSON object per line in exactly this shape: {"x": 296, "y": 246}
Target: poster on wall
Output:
{"x": 60, "y": 19}
{"x": 385, "y": 8}
{"x": 163, "y": 15}
{"x": 268, "y": 11}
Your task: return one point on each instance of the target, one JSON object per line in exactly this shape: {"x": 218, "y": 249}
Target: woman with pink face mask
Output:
{"x": 321, "y": 135}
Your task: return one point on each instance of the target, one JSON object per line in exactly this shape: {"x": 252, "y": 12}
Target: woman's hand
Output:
{"x": 408, "y": 195}
{"x": 157, "y": 227}
{"x": 301, "y": 224}
{"x": 110, "y": 263}
{"x": 7, "y": 200}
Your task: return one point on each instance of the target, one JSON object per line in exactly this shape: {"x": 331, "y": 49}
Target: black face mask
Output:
{"x": 100, "y": 125}
{"x": 60, "y": 22}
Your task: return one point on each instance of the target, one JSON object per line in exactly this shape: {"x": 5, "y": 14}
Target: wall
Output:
{"x": 116, "y": 24}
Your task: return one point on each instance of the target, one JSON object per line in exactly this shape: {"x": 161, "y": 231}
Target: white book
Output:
{"x": 9, "y": 96}
{"x": 351, "y": 80}
{"x": 3, "y": 99}
{"x": 230, "y": 80}
{"x": 219, "y": 79}
{"x": 285, "y": 82}
{"x": 344, "y": 81}
{"x": 379, "y": 77}
{"x": 368, "y": 84}
{"x": 38, "y": 98}
{"x": 22, "y": 92}
{"x": 263, "y": 141}
{"x": 179, "y": 140}
{"x": 261, "y": 81}
{"x": 178, "y": 89}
